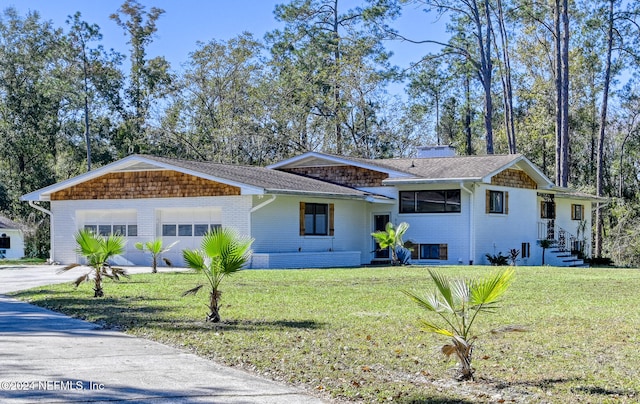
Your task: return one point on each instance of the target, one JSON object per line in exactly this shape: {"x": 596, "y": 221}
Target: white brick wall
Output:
{"x": 276, "y": 226}
{"x": 497, "y": 233}
{"x": 66, "y": 223}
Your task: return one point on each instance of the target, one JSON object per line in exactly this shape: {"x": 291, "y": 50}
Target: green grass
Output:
{"x": 351, "y": 334}
{"x": 22, "y": 261}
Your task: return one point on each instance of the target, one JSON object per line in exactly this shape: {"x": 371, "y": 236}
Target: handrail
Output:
{"x": 564, "y": 240}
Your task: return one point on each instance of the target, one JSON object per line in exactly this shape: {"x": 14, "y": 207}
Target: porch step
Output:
{"x": 564, "y": 259}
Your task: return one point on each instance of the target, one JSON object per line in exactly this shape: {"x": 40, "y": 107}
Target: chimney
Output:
{"x": 435, "y": 151}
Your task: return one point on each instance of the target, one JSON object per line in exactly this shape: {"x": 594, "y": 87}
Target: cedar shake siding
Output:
{"x": 514, "y": 178}
{"x": 145, "y": 184}
{"x": 349, "y": 176}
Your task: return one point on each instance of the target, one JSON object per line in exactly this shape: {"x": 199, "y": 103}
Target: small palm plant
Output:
{"x": 155, "y": 248}
{"x": 458, "y": 303}
{"x": 98, "y": 250}
{"x": 545, "y": 244}
{"x": 391, "y": 237}
{"x": 223, "y": 252}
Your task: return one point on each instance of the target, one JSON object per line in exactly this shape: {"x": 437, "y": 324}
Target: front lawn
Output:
{"x": 22, "y": 261}
{"x": 350, "y": 334}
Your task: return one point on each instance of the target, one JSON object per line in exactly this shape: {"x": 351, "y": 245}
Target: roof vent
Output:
{"x": 435, "y": 151}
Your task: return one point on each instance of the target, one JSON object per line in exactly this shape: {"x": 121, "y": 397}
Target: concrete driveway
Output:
{"x": 49, "y": 357}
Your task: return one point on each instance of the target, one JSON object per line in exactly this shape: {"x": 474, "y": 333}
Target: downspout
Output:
{"x": 471, "y": 224}
{"x": 263, "y": 204}
{"x": 51, "y": 238}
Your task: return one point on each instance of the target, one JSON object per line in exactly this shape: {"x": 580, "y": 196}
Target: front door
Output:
{"x": 379, "y": 224}
{"x": 548, "y": 214}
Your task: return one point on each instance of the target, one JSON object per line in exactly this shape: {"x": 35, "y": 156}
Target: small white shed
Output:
{"x": 11, "y": 239}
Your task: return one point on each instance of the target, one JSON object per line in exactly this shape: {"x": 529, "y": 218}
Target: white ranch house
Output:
{"x": 319, "y": 210}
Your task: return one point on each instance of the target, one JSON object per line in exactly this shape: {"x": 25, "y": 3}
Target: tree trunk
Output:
{"x": 601, "y": 137}
{"x": 437, "y": 118}
{"x": 565, "y": 96}
{"x": 214, "y": 309}
{"x": 97, "y": 288}
{"x": 558, "y": 83}
{"x": 87, "y": 137}
{"x": 506, "y": 83}
{"x": 486, "y": 68}
{"x": 467, "y": 115}
{"x": 336, "y": 88}
{"x": 464, "y": 352}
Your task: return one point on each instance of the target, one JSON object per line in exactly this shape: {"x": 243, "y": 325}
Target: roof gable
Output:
{"x": 315, "y": 159}
{"x": 250, "y": 180}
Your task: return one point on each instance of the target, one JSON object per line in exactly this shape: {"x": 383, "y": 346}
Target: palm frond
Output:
{"x": 113, "y": 245}
{"x": 170, "y": 246}
{"x": 118, "y": 272}
{"x": 431, "y": 327}
{"x": 492, "y": 288}
{"x": 400, "y": 230}
{"x": 448, "y": 350}
{"x": 194, "y": 259}
{"x": 68, "y": 267}
{"x": 460, "y": 290}
{"x": 83, "y": 278}
{"x": 425, "y": 303}
{"x": 88, "y": 243}
{"x": 444, "y": 287}
{"x": 167, "y": 262}
{"x": 192, "y": 291}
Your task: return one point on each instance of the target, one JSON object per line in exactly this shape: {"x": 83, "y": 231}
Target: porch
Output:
{"x": 567, "y": 249}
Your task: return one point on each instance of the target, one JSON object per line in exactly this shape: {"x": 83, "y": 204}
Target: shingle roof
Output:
{"x": 458, "y": 167}
{"x": 6, "y": 223}
{"x": 273, "y": 181}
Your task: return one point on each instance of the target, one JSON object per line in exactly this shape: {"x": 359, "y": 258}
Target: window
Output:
{"x": 316, "y": 219}
{"x": 200, "y": 230}
{"x": 91, "y": 228}
{"x": 525, "y": 251}
{"x": 547, "y": 210}
{"x": 169, "y": 230}
{"x": 437, "y": 201}
{"x": 577, "y": 212}
{"x": 185, "y": 230}
{"x": 132, "y": 230}
{"x": 415, "y": 249}
{"x": 433, "y": 251}
{"x": 497, "y": 202}
{"x": 120, "y": 229}
{"x": 104, "y": 229}
{"x": 5, "y": 241}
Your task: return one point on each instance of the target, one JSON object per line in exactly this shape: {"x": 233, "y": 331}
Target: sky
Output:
{"x": 187, "y": 21}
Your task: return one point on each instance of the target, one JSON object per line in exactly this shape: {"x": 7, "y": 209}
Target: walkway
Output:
{"x": 52, "y": 358}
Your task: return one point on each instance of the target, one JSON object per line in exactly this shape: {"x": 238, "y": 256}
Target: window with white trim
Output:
{"x": 577, "y": 212}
